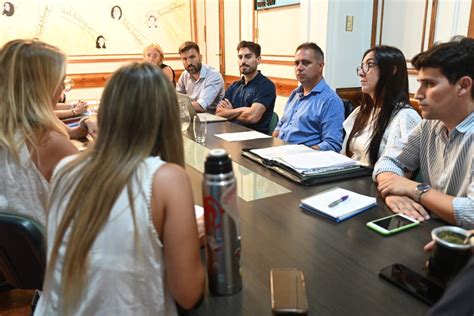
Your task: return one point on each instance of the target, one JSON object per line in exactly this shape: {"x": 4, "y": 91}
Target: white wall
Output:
{"x": 345, "y": 48}
{"x": 322, "y": 21}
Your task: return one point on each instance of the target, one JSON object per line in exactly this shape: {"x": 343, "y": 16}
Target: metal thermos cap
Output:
{"x": 218, "y": 162}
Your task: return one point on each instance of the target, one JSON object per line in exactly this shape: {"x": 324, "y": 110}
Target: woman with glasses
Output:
{"x": 385, "y": 117}
{"x": 122, "y": 234}
{"x": 154, "y": 54}
{"x": 32, "y": 139}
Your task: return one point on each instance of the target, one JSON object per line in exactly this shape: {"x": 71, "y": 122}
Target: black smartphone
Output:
{"x": 413, "y": 283}
{"x": 288, "y": 291}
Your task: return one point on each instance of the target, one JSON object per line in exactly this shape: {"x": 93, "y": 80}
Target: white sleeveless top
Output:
{"x": 23, "y": 189}
{"x": 121, "y": 279}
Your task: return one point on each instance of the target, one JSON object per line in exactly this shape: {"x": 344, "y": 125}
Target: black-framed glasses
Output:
{"x": 365, "y": 68}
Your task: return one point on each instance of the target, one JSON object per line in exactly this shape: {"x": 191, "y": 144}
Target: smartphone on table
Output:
{"x": 392, "y": 224}
{"x": 413, "y": 283}
{"x": 288, "y": 291}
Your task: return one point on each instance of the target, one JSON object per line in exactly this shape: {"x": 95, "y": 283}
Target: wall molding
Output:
{"x": 470, "y": 31}
{"x": 353, "y": 94}
{"x": 98, "y": 80}
{"x": 277, "y": 62}
{"x": 111, "y": 59}
{"x": 283, "y": 86}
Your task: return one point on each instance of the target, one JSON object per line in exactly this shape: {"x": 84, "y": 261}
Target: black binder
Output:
{"x": 309, "y": 177}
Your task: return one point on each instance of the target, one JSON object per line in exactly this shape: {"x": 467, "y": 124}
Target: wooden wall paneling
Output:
{"x": 470, "y": 31}
{"x": 254, "y": 17}
{"x": 98, "y": 80}
{"x": 228, "y": 80}
{"x": 434, "y": 13}
{"x": 381, "y": 21}
{"x": 193, "y": 17}
{"x": 95, "y": 80}
{"x": 352, "y": 94}
{"x": 240, "y": 21}
{"x": 425, "y": 19}
{"x": 277, "y": 62}
{"x": 375, "y": 12}
{"x": 221, "y": 37}
{"x": 137, "y": 58}
{"x": 415, "y": 103}
{"x": 283, "y": 86}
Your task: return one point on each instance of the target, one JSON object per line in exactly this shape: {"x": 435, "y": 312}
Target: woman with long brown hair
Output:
{"x": 122, "y": 235}
{"x": 385, "y": 116}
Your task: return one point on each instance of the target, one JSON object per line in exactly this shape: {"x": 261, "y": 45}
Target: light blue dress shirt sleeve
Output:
{"x": 331, "y": 126}
{"x": 213, "y": 89}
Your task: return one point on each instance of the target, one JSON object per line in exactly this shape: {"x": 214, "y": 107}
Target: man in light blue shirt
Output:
{"x": 314, "y": 113}
{"x": 202, "y": 83}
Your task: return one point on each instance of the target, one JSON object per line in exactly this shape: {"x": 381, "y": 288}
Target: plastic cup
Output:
{"x": 200, "y": 129}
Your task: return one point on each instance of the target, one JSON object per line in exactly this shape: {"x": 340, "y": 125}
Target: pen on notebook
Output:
{"x": 336, "y": 202}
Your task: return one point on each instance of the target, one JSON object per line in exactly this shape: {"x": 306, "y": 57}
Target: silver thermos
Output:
{"x": 222, "y": 224}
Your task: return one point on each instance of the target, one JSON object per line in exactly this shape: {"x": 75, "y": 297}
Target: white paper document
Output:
{"x": 304, "y": 159}
{"x": 349, "y": 203}
{"x": 235, "y": 137}
{"x": 317, "y": 159}
{"x": 211, "y": 117}
{"x": 281, "y": 151}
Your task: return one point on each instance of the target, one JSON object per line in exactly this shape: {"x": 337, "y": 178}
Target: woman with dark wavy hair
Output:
{"x": 385, "y": 117}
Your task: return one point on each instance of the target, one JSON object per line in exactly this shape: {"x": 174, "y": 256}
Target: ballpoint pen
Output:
{"x": 340, "y": 200}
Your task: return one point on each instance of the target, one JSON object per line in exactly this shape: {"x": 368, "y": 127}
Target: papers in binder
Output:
{"x": 240, "y": 136}
{"x": 354, "y": 204}
{"x": 305, "y": 160}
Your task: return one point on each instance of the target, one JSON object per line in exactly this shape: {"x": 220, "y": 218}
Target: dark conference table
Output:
{"x": 340, "y": 261}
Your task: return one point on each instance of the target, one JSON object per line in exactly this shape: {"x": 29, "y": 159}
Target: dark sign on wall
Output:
{"x": 268, "y": 4}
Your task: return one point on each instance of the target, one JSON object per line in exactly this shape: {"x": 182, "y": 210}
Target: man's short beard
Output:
{"x": 195, "y": 69}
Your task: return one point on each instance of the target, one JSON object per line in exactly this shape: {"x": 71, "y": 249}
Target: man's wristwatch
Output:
{"x": 420, "y": 190}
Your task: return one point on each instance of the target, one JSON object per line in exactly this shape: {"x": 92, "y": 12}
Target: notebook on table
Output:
{"x": 337, "y": 204}
{"x": 305, "y": 165}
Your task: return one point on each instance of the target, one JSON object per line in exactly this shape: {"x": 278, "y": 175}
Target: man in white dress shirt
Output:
{"x": 202, "y": 83}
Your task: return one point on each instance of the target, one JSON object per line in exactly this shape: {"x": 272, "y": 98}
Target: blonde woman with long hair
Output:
{"x": 122, "y": 235}
{"x": 154, "y": 54}
{"x": 32, "y": 139}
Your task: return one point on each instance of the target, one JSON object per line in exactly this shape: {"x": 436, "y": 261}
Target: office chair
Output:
{"x": 273, "y": 123}
{"x": 348, "y": 107}
{"x": 22, "y": 251}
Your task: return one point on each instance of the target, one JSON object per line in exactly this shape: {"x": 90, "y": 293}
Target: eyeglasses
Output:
{"x": 365, "y": 68}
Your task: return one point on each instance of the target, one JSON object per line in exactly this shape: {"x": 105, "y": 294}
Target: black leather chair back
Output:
{"x": 348, "y": 107}
{"x": 22, "y": 251}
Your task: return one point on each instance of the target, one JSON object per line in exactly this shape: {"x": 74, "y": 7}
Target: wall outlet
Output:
{"x": 349, "y": 23}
